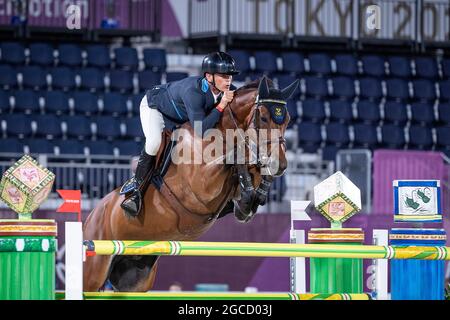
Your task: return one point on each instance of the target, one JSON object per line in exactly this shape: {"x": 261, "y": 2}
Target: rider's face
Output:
{"x": 223, "y": 81}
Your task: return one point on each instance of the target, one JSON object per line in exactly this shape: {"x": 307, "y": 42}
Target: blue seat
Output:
{"x": 85, "y": 103}
{"x": 41, "y": 54}
{"x": 420, "y": 138}
{"x": 148, "y": 79}
{"x": 92, "y": 79}
{"x": 78, "y": 127}
{"x": 395, "y": 112}
{"x": 114, "y": 104}
{"x": 444, "y": 90}
{"x": 155, "y": 59}
{"x": 446, "y": 68}
{"x": 399, "y": 67}
{"x": 313, "y": 110}
{"x": 316, "y": 87}
{"x": 136, "y": 102}
{"x": 63, "y": 78}
{"x": 346, "y": 64}
{"x": 424, "y": 90}
{"x": 392, "y": 136}
{"x": 121, "y": 81}
{"x": 426, "y": 67}
{"x": 70, "y": 147}
{"x": 373, "y": 66}
{"x": 126, "y": 58}
{"x": 26, "y": 101}
{"x": 128, "y": 148}
{"x": 5, "y": 105}
{"x": 368, "y": 112}
{"x": 242, "y": 59}
{"x": 422, "y": 113}
{"x": 98, "y": 56}
{"x": 293, "y": 112}
{"x": 8, "y": 77}
{"x": 47, "y": 126}
{"x": 341, "y": 111}
{"x": 337, "y": 134}
{"x": 343, "y": 87}
{"x": 293, "y": 62}
{"x": 309, "y": 136}
{"x": 370, "y": 88}
{"x": 34, "y": 77}
{"x": 443, "y": 137}
{"x": 40, "y": 146}
{"x": 365, "y": 136}
{"x": 329, "y": 152}
{"x": 444, "y": 113}
{"x": 133, "y": 128}
{"x": 175, "y": 76}
{"x": 265, "y": 62}
{"x": 70, "y": 55}
{"x": 12, "y": 53}
{"x": 11, "y": 145}
{"x": 284, "y": 80}
{"x": 107, "y": 128}
{"x": 100, "y": 148}
{"x": 56, "y": 102}
{"x": 319, "y": 63}
{"x": 397, "y": 89}
{"x": 17, "y": 125}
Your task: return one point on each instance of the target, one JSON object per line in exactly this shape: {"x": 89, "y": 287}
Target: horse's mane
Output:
{"x": 253, "y": 85}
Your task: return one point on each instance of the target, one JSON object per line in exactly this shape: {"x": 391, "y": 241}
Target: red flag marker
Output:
{"x": 72, "y": 202}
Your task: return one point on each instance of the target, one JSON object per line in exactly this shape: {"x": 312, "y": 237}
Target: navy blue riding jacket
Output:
{"x": 189, "y": 99}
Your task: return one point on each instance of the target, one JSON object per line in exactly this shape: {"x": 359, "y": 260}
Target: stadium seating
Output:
{"x": 126, "y": 58}
{"x": 346, "y": 64}
{"x": 155, "y": 59}
{"x": 70, "y": 55}
{"x": 8, "y": 77}
{"x": 62, "y": 78}
{"x": 42, "y": 54}
{"x": 98, "y": 56}
{"x": 74, "y": 98}
{"x": 293, "y": 62}
{"x": 12, "y": 53}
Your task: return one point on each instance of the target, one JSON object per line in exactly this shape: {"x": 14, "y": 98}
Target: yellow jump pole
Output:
{"x": 247, "y": 249}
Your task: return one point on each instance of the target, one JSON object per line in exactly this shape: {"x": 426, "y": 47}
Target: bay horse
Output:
{"x": 192, "y": 196}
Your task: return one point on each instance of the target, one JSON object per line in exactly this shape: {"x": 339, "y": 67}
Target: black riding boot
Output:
{"x": 133, "y": 204}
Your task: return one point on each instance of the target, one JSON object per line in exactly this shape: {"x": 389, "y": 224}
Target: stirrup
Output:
{"x": 133, "y": 204}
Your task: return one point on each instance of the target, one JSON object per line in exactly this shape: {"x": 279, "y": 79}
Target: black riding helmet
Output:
{"x": 219, "y": 62}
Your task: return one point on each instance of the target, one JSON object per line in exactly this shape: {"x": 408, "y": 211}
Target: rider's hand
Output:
{"x": 226, "y": 99}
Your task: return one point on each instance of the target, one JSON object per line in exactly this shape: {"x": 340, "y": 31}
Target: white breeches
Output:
{"x": 152, "y": 122}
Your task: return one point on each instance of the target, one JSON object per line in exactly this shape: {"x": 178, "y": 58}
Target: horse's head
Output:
{"x": 261, "y": 109}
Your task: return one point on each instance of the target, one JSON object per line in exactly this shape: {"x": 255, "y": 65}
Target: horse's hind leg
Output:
{"x": 133, "y": 273}
{"x": 95, "y": 272}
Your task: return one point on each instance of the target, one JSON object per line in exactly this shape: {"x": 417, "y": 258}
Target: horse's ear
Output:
{"x": 289, "y": 91}
{"x": 263, "y": 90}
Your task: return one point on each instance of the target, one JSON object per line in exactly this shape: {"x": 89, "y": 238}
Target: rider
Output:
{"x": 166, "y": 106}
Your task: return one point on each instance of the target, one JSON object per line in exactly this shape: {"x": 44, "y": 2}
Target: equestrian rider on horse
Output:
{"x": 194, "y": 99}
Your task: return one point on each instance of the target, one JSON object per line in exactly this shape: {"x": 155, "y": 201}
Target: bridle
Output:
{"x": 255, "y": 122}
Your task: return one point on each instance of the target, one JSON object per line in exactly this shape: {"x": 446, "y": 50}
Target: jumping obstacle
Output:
{"x": 77, "y": 251}
{"x": 250, "y": 249}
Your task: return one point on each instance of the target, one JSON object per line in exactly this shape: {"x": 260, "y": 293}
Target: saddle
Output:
{"x": 162, "y": 163}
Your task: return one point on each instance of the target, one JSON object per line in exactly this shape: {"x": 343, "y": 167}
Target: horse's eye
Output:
{"x": 264, "y": 119}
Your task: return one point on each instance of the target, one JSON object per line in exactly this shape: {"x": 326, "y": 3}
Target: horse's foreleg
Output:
{"x": 95, "y": 272}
